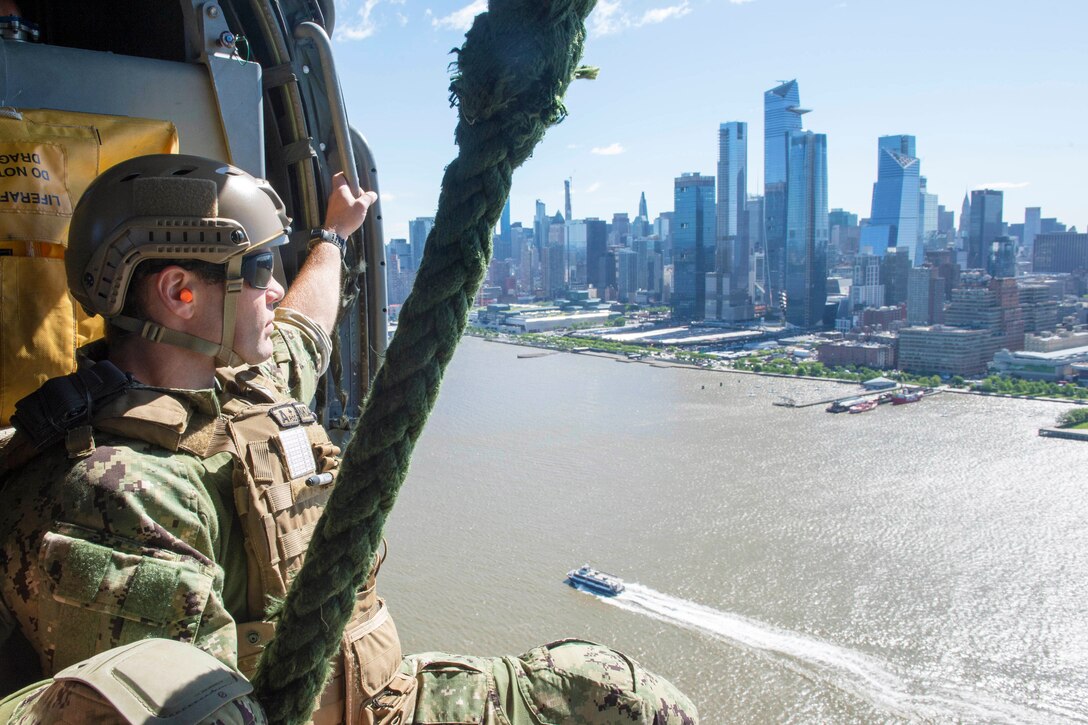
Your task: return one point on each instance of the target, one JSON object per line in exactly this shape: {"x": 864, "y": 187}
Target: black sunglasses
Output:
{"x": 257, "y": 269}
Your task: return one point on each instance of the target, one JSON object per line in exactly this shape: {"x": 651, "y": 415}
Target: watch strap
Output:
{"x": 319, "y": 235}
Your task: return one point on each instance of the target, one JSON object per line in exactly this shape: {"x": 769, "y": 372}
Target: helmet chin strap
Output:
{"x": 223, "y": 351}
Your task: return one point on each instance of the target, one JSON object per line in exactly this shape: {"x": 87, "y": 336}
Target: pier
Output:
{"x": 856, "y": 397}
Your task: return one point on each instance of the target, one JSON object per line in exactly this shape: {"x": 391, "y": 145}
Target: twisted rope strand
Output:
{"x": 511, "y": 74}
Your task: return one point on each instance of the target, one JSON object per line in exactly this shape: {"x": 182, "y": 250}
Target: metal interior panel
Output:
{"x": 43, "y": 76}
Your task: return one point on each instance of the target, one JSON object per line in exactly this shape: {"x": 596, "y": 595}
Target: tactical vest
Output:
{"x": 284, "y": 472}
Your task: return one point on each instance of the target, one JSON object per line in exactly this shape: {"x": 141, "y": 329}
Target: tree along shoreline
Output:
{"x": 777, "y": 363}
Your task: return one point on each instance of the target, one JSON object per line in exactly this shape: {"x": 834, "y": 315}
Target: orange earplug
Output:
{"x": 186, "y": 295}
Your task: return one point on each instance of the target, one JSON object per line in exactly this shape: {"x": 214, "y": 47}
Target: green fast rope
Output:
{"x": 511, "y": 75}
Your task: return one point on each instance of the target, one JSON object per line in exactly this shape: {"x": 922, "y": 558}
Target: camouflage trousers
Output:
{"x": 570, "y": 682}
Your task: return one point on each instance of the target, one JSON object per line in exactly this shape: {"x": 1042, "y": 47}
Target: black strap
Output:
{"x": 67, "y": 402}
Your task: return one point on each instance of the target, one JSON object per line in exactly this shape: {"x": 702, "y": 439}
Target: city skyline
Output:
{"x": 991, "y": 98}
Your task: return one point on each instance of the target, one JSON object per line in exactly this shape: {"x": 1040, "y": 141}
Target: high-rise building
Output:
{"x": 596, "y": 246}
{"x": 554, "y": 267}
{"x": 732, "y": 219}
{"x": 1033, "y": 217}
{"x": 540, "y": 227}
{"x": 418, "y": 229}
{"x": 965, "y": 215}
{"x": 1040, "y": 309}
{"x": 928, "y": 221}
{"x": 642, "y": 206}
{"x": 576, "y": 238}
{"x": 694, "y": 225}
{"x": 895, "y": 275}
{"x": 994, "y": 308}
{"x": 1001, "y": 262}
{"x": 1060, "y": 252}
{"x": 1050, "y": 225}
{"x": 566, "y": 200}
{"x": 845, "y": 235}
{"x": 626, "y": 274}
{"x": 947, "y": 269}
{"x": 757, "y": 246}
{"x": 925, "y": 296}
{"x": 503, "y": 242}
{"x": 781, "y": 116}
{"x": 946, "y": 220}
{"x": 985, "y": 226}
{"x": 865, "y": 288}
{"x": 894, "y": 221}
{"x": 806, "y": 229}
{"x": 621, "y": 229}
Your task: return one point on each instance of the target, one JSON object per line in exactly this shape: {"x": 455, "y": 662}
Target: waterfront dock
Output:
{"x": 1073, "y": 434}
{"x": 856, "y": 397}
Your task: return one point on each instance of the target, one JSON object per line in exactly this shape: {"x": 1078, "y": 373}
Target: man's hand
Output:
{"x": 316, "y": 289}
{"x": 346, "y": 211}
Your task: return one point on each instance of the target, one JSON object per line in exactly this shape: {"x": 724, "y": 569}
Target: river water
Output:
{"x": 917, "y": 563}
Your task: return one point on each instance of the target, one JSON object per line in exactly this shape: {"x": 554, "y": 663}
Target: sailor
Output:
{"x": 160, "y": 499}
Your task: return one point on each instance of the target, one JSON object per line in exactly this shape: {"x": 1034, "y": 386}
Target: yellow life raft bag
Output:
{"x": 47, "y": 160}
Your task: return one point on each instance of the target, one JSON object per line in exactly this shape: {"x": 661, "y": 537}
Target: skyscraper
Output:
{"x": 894, "y": 221}
{"x": 566, "y": 199}
{"x": 642, "y": 207}
{"x": 925, "y": 296}
{"x": 781, "y": 116}
{"x": 503, "y": 241}
{"x": 806, "y": 229}
{"x": 1033, "y": 217}
{"x": 756, "y": 250}
{"x": 418, "y": 229}
{"x": 928, "y": 220}
{"x": 596, "y": 246}
{"x": 965, "y": 215}
{"x": 985, "y": 226}
{"x": 540, "y": 227}
{"x": 732, "y": 217}
{"x": 693, "y": 231}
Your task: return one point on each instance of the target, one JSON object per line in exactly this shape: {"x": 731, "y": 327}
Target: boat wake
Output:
{"x": 858, "y": 674}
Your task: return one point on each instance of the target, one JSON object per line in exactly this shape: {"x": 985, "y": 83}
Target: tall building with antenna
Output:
{"x": 781, "y": 117}
{"x": 566, "y": 199}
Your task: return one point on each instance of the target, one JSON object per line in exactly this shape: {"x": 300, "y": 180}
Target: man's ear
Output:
{"x": 173, "y": 290}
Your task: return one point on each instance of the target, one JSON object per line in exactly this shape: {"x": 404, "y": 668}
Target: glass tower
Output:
{"x": 985, "y": 226}
{"x": 418, "y": 230}
{"x": 807, "y": 229}
{"x": 781, "y": 116}
{"x": 894, "y": 220}
{"x": 732, "y": 213}
{"x": 693, "y": 231}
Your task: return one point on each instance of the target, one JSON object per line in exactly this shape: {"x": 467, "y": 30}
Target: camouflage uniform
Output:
{"x": 133, "y": 541}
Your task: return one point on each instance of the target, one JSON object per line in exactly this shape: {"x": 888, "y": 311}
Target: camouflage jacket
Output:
{"x": 135, "y": 541}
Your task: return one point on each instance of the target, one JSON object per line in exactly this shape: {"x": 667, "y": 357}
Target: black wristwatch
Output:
{"x": 319, "y": 235}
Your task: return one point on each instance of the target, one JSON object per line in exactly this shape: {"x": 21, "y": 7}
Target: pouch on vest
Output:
{"x": 47, "y": 160}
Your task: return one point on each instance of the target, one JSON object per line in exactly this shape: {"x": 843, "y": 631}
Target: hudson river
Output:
{"x": 917, "y": 563}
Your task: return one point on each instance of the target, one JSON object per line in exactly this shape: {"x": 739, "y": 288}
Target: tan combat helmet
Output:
{"x": 169, "y": 207}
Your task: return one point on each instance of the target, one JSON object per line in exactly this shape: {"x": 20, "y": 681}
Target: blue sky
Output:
{"x": 995, "y": 91}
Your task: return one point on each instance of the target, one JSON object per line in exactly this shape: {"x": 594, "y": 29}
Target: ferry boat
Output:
{"x": 598, "y": 582}
{"x": 863, "y": 407}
